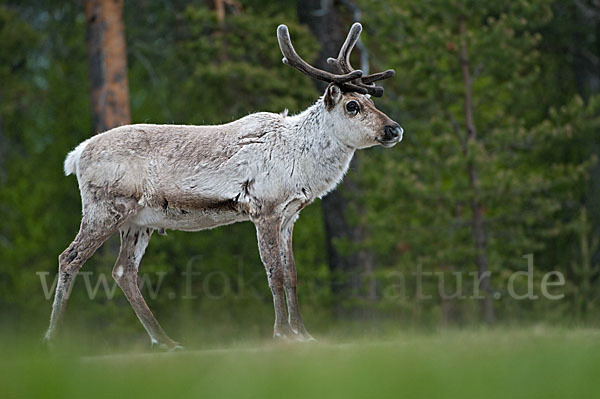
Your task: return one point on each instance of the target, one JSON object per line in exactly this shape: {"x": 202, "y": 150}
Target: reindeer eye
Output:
{"x": 352, "y": 107}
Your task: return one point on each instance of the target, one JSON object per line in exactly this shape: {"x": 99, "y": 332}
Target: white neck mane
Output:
{"x": 322, "y": 158}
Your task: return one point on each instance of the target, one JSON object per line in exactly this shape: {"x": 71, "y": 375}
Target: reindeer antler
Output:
{"x": 291, "y": 58}
{"x": 350, "y": 80}
{"x": 342, "y": 62}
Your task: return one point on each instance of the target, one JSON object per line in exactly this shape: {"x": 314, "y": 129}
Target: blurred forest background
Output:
{"x": 501, "y": 110}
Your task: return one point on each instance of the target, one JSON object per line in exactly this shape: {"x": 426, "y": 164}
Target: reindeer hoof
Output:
{"x": 289, "y": 334}
{"x": 307, "y": 338}
{"x": 283, "y": 333}
{"x": 301, "y": 335}
{"x": 47, "y": 344}
{"x": 304, "y": 337}
{"x": 170, "y": 346}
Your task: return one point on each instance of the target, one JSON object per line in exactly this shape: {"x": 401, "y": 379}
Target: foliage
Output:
{"x": 531, "y": 191}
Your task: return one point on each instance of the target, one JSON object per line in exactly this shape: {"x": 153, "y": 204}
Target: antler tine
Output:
{"x": 291, "y": 58}
{"x": 367, "y": 82}
{"x": 359, "y": 88}
{"x": 378, "y": 76}
{"x": 343, "y": 59}
{"x": 364, "y": 84}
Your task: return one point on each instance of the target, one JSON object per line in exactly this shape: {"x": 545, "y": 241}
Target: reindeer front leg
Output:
{"x": 289, "y": 278}
{"x": 268, "y": 232}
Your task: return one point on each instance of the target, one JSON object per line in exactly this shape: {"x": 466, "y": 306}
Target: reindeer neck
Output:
{"x": 322, "y": 157}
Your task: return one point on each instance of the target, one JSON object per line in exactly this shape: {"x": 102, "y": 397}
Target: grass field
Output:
{"x": 527, "y": 363}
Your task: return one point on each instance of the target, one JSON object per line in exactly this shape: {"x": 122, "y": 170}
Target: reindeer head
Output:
{"x": 348, "y": 96}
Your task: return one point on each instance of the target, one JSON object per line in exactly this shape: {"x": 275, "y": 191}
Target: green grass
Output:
{"x": 533, "y": 362}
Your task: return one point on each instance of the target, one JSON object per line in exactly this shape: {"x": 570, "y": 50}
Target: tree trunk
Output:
{"x": 223, "y": 6}
{"x": 109, "y": 88}
{"x": 586, "y": 56}
{"x": 586, "y": 67}
{"x": 107, "y": 59}
{"x": 352, "y": 273}
{"x": 478, "y": 225}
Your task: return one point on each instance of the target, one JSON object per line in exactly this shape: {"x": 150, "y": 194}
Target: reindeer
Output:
{"x": 264, "y": 168}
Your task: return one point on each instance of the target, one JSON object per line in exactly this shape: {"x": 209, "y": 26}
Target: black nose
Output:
{"x": 392, "y": 132}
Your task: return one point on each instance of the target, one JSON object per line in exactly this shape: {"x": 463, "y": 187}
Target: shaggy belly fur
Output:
{"x": 192, "y": 220}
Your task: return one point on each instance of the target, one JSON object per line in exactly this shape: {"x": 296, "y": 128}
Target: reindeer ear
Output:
{"x": 333, "y": 95}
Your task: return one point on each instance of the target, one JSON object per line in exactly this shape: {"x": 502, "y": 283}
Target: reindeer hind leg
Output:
{"x": 134, "y": 240}
{"x": 99, "y": 222}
